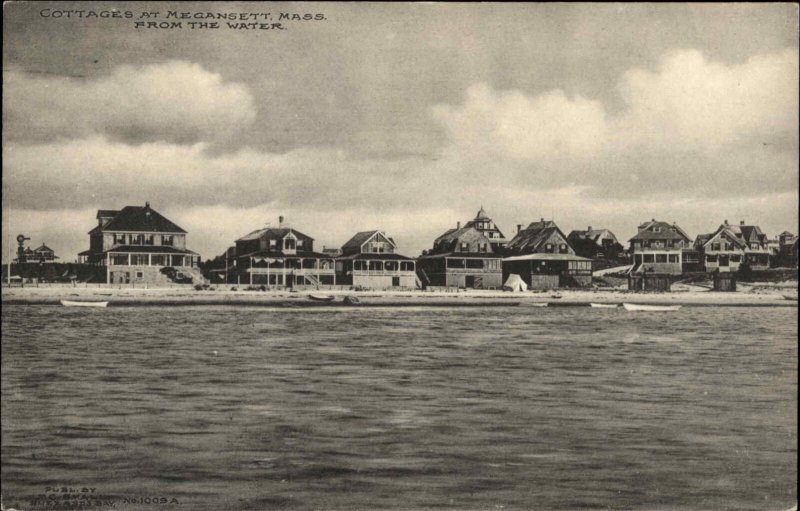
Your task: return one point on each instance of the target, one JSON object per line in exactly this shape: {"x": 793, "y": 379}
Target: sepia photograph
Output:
{"x": 399, "y": 256}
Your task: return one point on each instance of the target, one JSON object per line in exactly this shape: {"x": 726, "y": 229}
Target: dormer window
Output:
{"x": 289, "y": 244}
{"x": 167, "y": 240}
{"x": 562, "y": 249}
{"x": 549, "y": 248}
{"x": 464, "y": 246}
{"x": 273, "y": 244}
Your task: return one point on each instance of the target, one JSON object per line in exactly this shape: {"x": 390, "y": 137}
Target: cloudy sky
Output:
{"x": 401, "y": 117}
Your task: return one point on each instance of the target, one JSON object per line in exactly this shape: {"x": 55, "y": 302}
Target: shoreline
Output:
{"x": 749, "y": 296}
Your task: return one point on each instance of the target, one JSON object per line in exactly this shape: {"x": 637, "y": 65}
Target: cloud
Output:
{"x": 690, "y": 127}
{"x": 696, "y": 142}
{"x": 174, "y": 101}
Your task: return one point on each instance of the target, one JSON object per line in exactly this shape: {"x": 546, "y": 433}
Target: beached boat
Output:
{"x": 604, "y": 305}
{"x": 790, "y": 297}
{"x": 539, "y": 304}
{"x": 322, "y": 298}
{"x": 70, "y": 303}
{"x": 650, "y": 308}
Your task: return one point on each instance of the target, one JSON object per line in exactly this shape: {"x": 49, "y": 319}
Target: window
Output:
{"x": 119, "y": 239}
{"x": 562, "y": 249}
{"x": 661, "y": 258}
{"x": 289, "y": 244}
{"x": 177, "y": 260}
{"x": 273, "y": 243}
{"x": 167, "y": 240}
{"x": 673, "y": 258}
{"x": 649, "y": 258}
{"x": 148, "y": 239}
{"x": 139, "y": 259}
{"x": 158, "y": 260}
{"x": 711, "y": 259}
{"x": 137, "y": 239}
{"x": 119, "y": 259}
{"x": 139, "y": 275}
{"x": 715, "y": 246}
{"x": 464, "y": 247}
{"x": 549, "y": 248}
{"x": 735, "y": 258}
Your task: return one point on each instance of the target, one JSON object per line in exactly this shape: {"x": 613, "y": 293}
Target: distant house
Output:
{"x": 659, "y": 247}
{"x": 594, "y": 243}
{"x": 25, "y": 256}
{"x": 542, "y": 256}
{"x": 370, "y": 260}
{"x": 281, "y": 256}
{"x": 463, "y": 257}
{"x": 783, "y": 250}
{"x": 136, "y": 244}
{"x": 44, "y": 254}
{"x": 486, "y": 226}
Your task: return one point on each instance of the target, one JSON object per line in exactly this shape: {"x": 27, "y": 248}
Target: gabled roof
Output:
{"x": 447, "y": 242}
{"x": 141, "y": 219}
{"x": 667, "y": 231}
{"x": 106, "y": 213}
{"x": 276, "y": 233}
{"x": 482, "y": 215}
{"x": 44, "y": 248}
{"x": 362, "y": 237}
{"x": 786, "y": 233}
{"x": 704, "y": 239}
{"x": 531, "y": 239}
{"x": 593, "y": 234}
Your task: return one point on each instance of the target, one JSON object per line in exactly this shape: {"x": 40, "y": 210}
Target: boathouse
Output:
{"x": 544, "y": 259}
{"x": 463, "y": 257}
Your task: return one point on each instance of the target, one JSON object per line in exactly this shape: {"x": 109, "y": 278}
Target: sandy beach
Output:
{"x": 747, "y": 295}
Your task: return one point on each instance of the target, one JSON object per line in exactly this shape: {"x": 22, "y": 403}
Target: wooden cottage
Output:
{"x": 463, "y": 257}
{"x": 370, "y": 260}
{"x": 281, "y": 257}
{"x": 44, "y": 254}
{"x": 730, "y": 246}
{"x": 137, "y": 244}
{"x": 542, "y": 256}
{"x": 659, "y": 247}
{"x": 486, "y": 226}
{"x": 595, "y": 243}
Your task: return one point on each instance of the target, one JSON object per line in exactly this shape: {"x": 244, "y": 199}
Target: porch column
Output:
{"x": 334, "y": 271}
{"x": 251, "y": 271}
{"x": 149, "y": 259}
{"x": 108, "y": 268}
{"x": 129, "y": 259}
{"x": 316, "y": 262}
{"x": 267, "y": 272}
{"x": 284, "y": 271}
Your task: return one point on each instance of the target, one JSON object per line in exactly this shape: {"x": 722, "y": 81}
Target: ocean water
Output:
{"x": 215, "y": 408}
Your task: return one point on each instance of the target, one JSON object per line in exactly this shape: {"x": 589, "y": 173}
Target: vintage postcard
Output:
{"x": 409, "y": 256}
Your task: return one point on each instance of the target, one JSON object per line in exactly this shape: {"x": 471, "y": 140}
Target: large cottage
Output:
{"x": 137, "y": 244}
{"x": 541, "y": 255}
{"x": 730, "y": 246}
{"x": 370, "y": 260}
{"x": 594, "y": 243}
{"x": 486, "y": 226}
{"x": 463, "y": 257}
{"x": 282, "y": 257}
{"x": 659, "y": 247}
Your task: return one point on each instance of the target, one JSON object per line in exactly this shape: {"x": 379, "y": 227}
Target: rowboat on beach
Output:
{"x": 650, "y": 308}
{"x": 604, "y": 305}
{"x": 69, "y": 303}
{"x": 539, "y": 304}
{"x": 322, "y": 298}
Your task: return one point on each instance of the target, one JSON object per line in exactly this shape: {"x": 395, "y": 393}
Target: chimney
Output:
{"x": 726, "y": 222}
{"x": 519, "y": 227}
{"x": 147, "y": 208}
{"x": 741, "y": 222}
{"x": 280, "y": 221}
{"x": 458, "y": 225}
{"x": 147, "y": 205}
{"x": 589, "y": 228}
{"x": 542, "y": 220}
